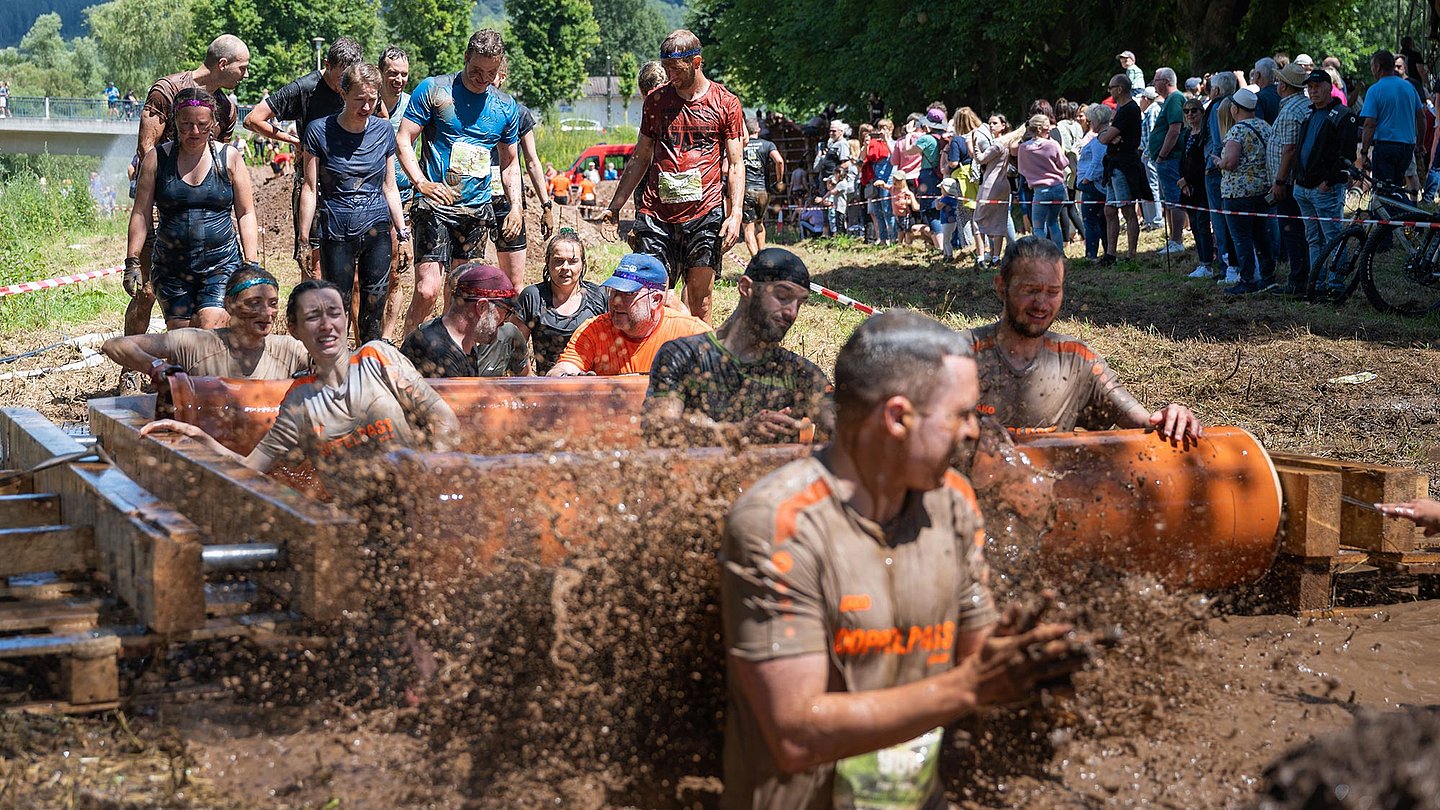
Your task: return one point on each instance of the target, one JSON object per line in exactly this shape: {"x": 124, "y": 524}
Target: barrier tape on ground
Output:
{"x": 49, "y": 283}
{"x": 839, "y": 298}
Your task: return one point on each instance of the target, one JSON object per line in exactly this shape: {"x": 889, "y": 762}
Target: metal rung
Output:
{"x": 241, "y": 556}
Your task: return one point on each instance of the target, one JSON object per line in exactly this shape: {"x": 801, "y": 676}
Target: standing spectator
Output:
{"x": 1414, "y": 60}
{"x": 1402, "y": 69}
{"x": 1124, "y": 171}
{"x": 837, "y": 196}
{"x": 877, "y": 190}
{"x": 1165, "y": 148}
{"x": 1280, "y": 153}
{"x": 1244, "y": 179}
{"x": 1132, "y": 71}
{"x": 1193, "y": 188}
{"x": 349, "y": 168}
{"x": 1090, "y": 179}
{"x": 1071, "y": 129}
{"x": 947, "y": 209}
{"x": 905, "y": 154}
{"x": 4, "y": 99}
{"x": 1394, "y": 120}
{"x": 112, "y": 100}
{"x": 1149, "y": 113}
{"x": 395, "y": 75}
{"x": 877, "y": 109}
{"x": 1222, "y": 87}
{"x": 905, "y": 207}
{"x": 129, "y": 104}
{"x": 992, "y": 209}
{"x": 927, "y": 186}
{"x": 1327, "y": 141}
{"x": 1264, "y": 78}
{"x": 959, "y": 157}
{"x": 1193, "y": 87}
{"x": 1042, "y": 163}
{"x": 758, "y": 155}
{"x": 1338, "y": 81}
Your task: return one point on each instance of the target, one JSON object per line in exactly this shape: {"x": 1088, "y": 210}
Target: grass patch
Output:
{"x": 561, "y": 148}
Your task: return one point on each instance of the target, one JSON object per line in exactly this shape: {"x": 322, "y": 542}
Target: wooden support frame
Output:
{"x": 146, "y": 551}
{"x": 1371, "y": 483}
{"x": 231, "y": 503}
{"x": 1312, "y": 511}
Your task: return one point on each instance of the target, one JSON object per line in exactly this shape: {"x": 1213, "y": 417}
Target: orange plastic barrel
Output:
{"x": 1205, "y": 516}
{"x": 239, "y": 412}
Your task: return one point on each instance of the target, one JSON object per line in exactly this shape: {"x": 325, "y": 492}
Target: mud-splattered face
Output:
{"x": 480, "y": 72}
{"x": 1033, "y": 297}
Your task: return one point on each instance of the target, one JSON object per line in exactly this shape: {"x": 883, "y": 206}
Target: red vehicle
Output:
{"x": 601, "y": 157}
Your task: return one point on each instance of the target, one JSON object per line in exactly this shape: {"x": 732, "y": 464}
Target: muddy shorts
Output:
{"x": 503, "y": 245}
{"x": 295, "y": 216}
{"x": 447, "y": 232}
{"x": 683, "y": 245}
{"x": 183, "y": 293}
{"x": 753, "y": 209}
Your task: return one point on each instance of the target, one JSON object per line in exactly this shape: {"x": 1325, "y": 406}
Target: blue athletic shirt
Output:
{"x": 1393, "y": 103}
{"x": 459, "y": 128}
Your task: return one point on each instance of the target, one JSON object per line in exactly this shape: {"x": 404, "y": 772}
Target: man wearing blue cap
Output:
{"x": 738, "y": 382}
{"x": 690, "y": 210}
{"x": 626, "y": 339}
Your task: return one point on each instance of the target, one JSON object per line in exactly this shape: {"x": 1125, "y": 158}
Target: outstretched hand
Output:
{"x": 1176, "y": 423}
{"x": 1424, "y": 512}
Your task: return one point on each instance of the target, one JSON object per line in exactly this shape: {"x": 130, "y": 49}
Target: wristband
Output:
{"x": 547, "y": 205}
{"x": 404, "y": 234}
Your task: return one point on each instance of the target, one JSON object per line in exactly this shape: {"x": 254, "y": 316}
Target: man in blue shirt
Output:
{"x": 462, "y": 116}
{"x": 1393, "y": 118}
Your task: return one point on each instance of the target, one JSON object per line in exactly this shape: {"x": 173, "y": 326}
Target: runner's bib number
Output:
{"x": 680, "y": 187}
{"x": 901, "y": 777}
{"x": 470, "y": 160}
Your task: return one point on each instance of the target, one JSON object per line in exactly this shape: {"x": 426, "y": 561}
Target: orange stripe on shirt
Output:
{"x": 370, "y": 352}
{"x": 1074, "y": 347}
{"x": 957, "y": 482}
{"x": 789, "y": 511}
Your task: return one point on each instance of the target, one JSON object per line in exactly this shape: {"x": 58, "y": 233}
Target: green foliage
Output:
{"x": 547, "y": 46}
{"x": 632, "y": 27}
{"x": 140, "y": 40}
{"x": 17, "y": 16}
{"x": 278, "y": 33}
{"x": 561, "y": 148}
{"x": 45, "y": 64}
{"x": 627, "y": 71}
{"x": 432, "y": 32}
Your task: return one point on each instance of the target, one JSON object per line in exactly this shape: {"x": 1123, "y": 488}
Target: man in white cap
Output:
{"x": 1131, "y": 71}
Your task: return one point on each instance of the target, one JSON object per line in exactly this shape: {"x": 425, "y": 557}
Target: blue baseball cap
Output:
{"x": 638, "y": 271}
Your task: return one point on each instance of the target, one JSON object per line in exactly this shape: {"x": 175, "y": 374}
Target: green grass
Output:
{"x": 561, "y": 148}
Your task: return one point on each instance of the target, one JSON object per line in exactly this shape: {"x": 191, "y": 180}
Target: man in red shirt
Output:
{"x": 690, "y": 210}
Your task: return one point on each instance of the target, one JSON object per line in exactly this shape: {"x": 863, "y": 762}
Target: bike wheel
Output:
{"x": 1334, "y": 275}
{"x": 1400, "y": 270}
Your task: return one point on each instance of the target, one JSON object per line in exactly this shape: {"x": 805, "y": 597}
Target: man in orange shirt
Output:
{"x": 560, "y": 188}
{"x": 625, "y": 339}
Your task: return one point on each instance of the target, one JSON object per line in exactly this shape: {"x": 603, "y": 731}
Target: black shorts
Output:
{"x": 680, "y": 246}
{"x": 445, "y": 233}
{"x": 295, "y": 215}
{"x": 753, "y": 209}
{"x": 503, "y": 245}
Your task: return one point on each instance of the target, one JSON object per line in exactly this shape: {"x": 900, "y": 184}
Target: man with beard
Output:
{"x": 627, "y": 337}
{"x": 738, "y": 382}
{"x": 691, "y": 208}
{"x": 473, "y": 337}
{"x": 1033, "y": 380}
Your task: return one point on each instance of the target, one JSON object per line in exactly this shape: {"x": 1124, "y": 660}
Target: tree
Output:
{"x": 626, "y": 26}
{"x": 46, "y": 65}
{"x": 140, "y": 40}
{"x": 628, "y": 71}
{"x": 432, "y": 32}
{"x": 548, "y": 43}
{"x": 278, "y": 33}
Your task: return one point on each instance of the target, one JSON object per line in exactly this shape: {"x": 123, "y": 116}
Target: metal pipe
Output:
{"x": 241, "y": 557}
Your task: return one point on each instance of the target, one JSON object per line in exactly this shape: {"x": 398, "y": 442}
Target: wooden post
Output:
{"x": 1371, "y": 483}
{"x": 1312, "y": 511}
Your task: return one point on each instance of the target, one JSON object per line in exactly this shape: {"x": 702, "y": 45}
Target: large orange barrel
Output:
{"x": 1205, "y": 516}
{"x": 591, "y": 410}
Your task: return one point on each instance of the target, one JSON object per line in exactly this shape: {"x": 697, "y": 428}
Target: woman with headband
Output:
{"x": 550, "y": 312}
{"x": 196, "y": 186}
{"x": 246, "y": 348}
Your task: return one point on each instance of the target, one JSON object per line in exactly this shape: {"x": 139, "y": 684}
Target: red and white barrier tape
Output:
{"x": 839, "y": 298}
{"x": 31, "y": 286}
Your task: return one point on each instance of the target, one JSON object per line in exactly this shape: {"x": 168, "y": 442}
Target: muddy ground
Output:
{"x": 1187, "y": 712}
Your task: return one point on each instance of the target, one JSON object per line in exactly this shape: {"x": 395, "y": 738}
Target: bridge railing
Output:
{"x": 93, "y": 109}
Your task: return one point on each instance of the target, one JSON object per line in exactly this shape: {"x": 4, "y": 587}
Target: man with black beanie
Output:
{"x": 737, "y": 382}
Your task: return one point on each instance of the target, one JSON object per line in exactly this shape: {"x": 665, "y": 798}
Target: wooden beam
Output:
{"x": 231, "y": 503}
{"x": 90, "y": 678}
{"x": 1312, "y": 511}
{"x": 29, "y": 509}
{"x": 1371, "y": 483}
{"x": 146, "y": 551}
{"x": 14, "y": 486}
{"x": 55, "y": 616}
{"x": 46, "y": 548}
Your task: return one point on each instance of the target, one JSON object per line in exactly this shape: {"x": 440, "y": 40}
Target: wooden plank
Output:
{"x": 15, "y": 486}
{"x": 1412, "y": 562}
{"x": 1371, "y": 483}
{"x": 1312, "y": 511}
{"x": 146, "y": 551}
{"x": 90, "y": 679}
{"x": 40, "y": 585}
{"x": 55, "y": 616}
{"x": 46, "y": 548}
{"x": 29, "y": 509}
{"x": 231, "y": 503}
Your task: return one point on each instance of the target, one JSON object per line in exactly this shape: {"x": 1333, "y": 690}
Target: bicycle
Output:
{"x": 1398, "y": 266}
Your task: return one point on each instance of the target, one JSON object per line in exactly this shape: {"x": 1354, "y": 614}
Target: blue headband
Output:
{"x": 648, "y": 284}
{"x": 248, "y": 283}
{"x": 680, "y": 54}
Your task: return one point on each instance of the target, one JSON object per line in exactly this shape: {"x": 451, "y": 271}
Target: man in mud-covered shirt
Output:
{"x": 855, "y": 595}
{"x": 1033, "y": 380}
{"x": 739, "y": 381}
